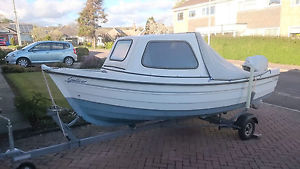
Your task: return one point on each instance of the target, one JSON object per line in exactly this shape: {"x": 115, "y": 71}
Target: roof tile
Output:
{"x": 189, "y": 3}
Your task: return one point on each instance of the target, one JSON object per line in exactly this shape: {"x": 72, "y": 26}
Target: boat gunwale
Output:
{"x": 159, "y": 83}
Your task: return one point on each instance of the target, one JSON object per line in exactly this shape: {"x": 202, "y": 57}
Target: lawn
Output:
{"x": 277, "y": 50}
{"x": 26, "y": 84}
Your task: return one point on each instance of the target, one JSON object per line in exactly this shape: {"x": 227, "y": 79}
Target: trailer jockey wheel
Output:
{"x": 26, "y": 165}
{"x": 247, "y": 129}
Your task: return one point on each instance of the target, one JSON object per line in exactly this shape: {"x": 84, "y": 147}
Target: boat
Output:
{"x": 161, "y": 77}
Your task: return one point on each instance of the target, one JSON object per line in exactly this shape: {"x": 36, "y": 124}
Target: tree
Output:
{"x": 153, "y": 27}
{"x": 3, "y": 19}
{"x": 90, "y": 18}
{"x": 55, "y": 34}
{"x": 38, "y": 33}
{"x": 70, "y": 29}
{"x": 47, "y": 37}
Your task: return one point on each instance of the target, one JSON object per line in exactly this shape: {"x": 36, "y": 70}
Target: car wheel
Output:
{"x": 24, "y": 62}
{"x": 69, "y": 61}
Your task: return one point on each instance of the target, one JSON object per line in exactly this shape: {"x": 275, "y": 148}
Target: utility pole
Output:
{"x": 17, "y": 25}
{"x": 209, "y": 23}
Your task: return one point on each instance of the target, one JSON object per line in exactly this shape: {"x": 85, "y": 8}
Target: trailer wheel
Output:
{"x": 246, "y": 129}
{"x": 26, "y": 165}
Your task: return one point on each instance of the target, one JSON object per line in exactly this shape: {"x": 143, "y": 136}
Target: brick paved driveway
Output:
{"x": 186, "y": 147}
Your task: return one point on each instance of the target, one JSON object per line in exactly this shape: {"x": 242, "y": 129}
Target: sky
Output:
{"x": 120, "y": 12}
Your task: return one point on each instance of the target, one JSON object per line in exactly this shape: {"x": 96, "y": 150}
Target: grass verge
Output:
{"x": 277, "y": 50}
{"x": 26, "y": 84}
{"x": 32, "y": 99}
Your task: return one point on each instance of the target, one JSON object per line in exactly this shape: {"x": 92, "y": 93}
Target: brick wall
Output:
{"x": 199, "y": 22}
{"x": 265, "y": 18}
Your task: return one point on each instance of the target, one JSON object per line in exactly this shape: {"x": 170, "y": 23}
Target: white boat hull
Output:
{"x": 111, "y": 102}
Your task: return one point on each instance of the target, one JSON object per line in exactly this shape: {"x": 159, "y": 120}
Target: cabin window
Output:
{"x": 169, "y": 55}
{"x": 120, "y": 50}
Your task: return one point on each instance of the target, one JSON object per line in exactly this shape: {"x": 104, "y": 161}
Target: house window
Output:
{"x": 192, "y": 14}
{"x": 203, "y": 11}
{"x": 180, "y": 16}
{"x": 120, "y": 50}
{"x": 169, "y": 55}
{"x": 206, "y": 11}
{"x": 212, "y": 10}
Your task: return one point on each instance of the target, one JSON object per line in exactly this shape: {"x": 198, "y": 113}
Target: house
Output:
{"x": 109, "y": 34}
{"x": 238, "y": 17}
{"x": 7, "y": 34}
{"x": 9, "y": 30}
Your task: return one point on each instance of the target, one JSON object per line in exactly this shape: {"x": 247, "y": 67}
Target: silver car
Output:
{"x": 43, "y": 52}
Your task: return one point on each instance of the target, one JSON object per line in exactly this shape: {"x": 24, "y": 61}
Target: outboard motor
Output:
{"x": 259, "y": 63}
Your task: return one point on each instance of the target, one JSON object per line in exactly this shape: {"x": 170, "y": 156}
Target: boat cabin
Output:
{"x": 160, "y": 55}
{"x": 170, "y": 55}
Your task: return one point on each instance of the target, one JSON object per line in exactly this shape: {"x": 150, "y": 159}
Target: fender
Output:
{"x": 245, "y": 117}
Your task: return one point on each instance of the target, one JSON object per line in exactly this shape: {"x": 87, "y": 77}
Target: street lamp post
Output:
{"x": 209, "y": 23}
{"x": 17, "y": 25}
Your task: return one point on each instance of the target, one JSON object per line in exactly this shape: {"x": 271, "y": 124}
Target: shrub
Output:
{"x": 34, "y": 109}
{"x": 59, "y": 65}
{"x": 81, "y": 51}
{"x": 18, "y": 69}
{"x": 91, "y": 62}
{"x": 12, "y": 41}
{"x": 87, "y": 44}
{"x": 3, "y": 53}
{"x": 108, "y": 45}
{"x": 13, "y": 69}
{"x": 20, "y": 47}
{"x": 47, "y": 37}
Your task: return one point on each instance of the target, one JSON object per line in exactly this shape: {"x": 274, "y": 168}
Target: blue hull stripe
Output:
{"x": 110, "y": 115}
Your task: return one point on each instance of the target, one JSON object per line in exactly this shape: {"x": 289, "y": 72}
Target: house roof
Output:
{"x": 24, "y": 28}
{"x": 190, "y": 3}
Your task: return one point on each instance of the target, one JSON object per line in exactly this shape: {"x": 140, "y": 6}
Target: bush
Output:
{"x": 13, "y": 69}
{"x": 91, "y": 62}
{"x": 34, "y": 109}
{"x": 3, "y": 53}
{"x": 87, "y": 44}
{"x": 18, "y": 69}
{"x": 108, "y": 45}
{"x": 12, "y": 41}
{"x": 20, "y": 47}
{"x": 82, "y": 51}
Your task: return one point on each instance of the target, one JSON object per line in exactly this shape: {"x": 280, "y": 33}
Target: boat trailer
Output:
{"x": 243, "y": 121}
{"x": 245, "y": 124}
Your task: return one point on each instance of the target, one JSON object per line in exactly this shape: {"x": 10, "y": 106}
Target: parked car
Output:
{"x": 43, "y": 52}
{"x": 2, "y": 41}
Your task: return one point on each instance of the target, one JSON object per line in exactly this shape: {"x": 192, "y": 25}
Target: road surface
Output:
{"x": 287, "y": 92}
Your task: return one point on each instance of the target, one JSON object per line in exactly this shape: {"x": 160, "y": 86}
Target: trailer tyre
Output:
{"x": 26, "y": 165}
{"x": 247, "y": 129}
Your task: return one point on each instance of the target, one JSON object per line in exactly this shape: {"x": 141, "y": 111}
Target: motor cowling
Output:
{"x": 259, "y": 63}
